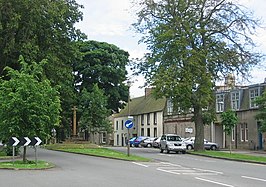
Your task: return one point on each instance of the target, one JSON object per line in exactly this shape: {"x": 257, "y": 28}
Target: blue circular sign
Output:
{"x": 129, "y": 124}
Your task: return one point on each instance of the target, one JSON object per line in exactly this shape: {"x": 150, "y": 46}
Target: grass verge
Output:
{"x": 18, "y": 164}
{"x": 232, "y": 156}
{"x": 94, "y": 150}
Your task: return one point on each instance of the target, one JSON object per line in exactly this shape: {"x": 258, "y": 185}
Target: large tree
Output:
{"x": 93, "y": 105}
{"x": 42, "y": 29}
{"x": 191, "y": 44}
{"x": 105, "y": 65}
{"x": 29, "y": 105}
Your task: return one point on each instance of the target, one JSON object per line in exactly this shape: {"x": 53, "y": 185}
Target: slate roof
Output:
{"x": 143, "y": 105}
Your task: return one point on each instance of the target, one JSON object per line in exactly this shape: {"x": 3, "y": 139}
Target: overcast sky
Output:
{"x": 110, "y": 20}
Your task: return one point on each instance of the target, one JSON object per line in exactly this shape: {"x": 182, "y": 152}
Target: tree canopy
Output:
{"x": 261, "y": 101}
{"x": 104, "y": 64}
{"x": 95, "y": 113}
{"x": 42, "y": 29}
{"x": 193, "y": 43}
{"x": 29, "y": 105}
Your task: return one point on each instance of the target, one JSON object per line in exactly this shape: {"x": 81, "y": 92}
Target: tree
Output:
{"x": 94, "y": 111}
{"x": 193, "y": 43}
{"x": 104, "y": 64}
{"x": 261, "y": 101}
{"x": 29, "y": 105}
{"x": 229, "y": 121}
{"x": 38, "y": 30}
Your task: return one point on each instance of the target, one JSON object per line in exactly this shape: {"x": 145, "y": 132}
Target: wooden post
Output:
{"x": 74, "y": 121}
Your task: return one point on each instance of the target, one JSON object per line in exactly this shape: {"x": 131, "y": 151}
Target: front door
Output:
{"x": 260, "y": 140}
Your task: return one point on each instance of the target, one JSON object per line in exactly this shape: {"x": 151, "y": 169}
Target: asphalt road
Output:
{"x": 166, "y": 170}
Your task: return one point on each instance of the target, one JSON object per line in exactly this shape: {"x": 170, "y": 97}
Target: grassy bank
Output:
{"x": 94, "y": 150}
{"x": 18, "y": 164}
{"x": 232, "y": 156}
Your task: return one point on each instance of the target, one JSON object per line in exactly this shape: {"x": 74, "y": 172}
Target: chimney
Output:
{"x": 147, "y": 91}
{"x": 230, "y": 81}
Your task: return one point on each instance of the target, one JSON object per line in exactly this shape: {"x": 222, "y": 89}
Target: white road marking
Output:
{"x": 159, "y": 169}
{"x": 254, "y": 178}
{"x": 218, "y": 172}
{"x": 140, "y": 164}
{"x": 214, "y": 182}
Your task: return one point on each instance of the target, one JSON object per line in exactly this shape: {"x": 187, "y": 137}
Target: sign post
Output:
{"x": 24, "y": 141}
{"x": 128, "y": 124}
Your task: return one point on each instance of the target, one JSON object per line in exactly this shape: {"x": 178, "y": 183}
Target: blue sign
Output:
{"x": 129, "y": 124}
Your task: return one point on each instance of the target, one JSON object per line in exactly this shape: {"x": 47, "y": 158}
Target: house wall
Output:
{"x": 183, "y": 126}
{"x": 155, "y": 126}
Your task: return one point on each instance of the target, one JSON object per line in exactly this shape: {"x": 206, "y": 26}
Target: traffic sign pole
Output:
{"x": 129, "y": 124}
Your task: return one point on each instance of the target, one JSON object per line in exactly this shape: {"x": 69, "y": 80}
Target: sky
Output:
{"x": 110, "y": 21}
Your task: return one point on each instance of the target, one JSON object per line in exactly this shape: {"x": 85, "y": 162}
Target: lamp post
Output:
{"x": 128, "y": 113}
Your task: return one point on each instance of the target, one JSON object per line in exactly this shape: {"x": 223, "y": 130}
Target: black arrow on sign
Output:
{"x": 35, "y": 141}
{"x": 24, "y": 141}
{"x": 13, "y": 141}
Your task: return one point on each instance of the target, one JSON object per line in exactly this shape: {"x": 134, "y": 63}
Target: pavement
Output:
{"x": 247, "y": 152}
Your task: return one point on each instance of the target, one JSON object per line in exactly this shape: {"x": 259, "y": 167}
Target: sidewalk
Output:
{"x": 247, "y": 152}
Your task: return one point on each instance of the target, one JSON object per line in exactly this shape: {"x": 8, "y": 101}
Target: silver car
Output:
{"x": 207, "y": 145}
{"x": 172, "y": 142}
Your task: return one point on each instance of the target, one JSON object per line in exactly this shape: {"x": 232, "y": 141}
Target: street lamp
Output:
{"x": 128, "y": 113}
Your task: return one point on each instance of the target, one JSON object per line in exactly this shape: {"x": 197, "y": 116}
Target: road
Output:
{"x": 166, "y": 170}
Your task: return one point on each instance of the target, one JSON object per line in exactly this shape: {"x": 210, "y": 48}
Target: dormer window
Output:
{"x": 253, "y": 93}
{"x": 219, "y": 102}
{"x": 235, "y": 100}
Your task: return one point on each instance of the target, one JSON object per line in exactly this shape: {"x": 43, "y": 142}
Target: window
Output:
{"x": 142, "y": 119}
{"x": 244, "y": 132}
{"x": 169, "y": 107}
{"x": 148, "y": 132}
{"x": 253, "y": 93}
{"x": 155, "y": 132}
{"x": 117, "y": 139}
{"x": 104, "y": 137}
{"x": 155, "y": 119}
{"x": 235, "y": 100}
{"x": 142, "y": 132}
{"x": 116, "y": 125}
{"x": 148, "y": 119}
{"x": 219, "y": 102}
{"x": 122, "y": 125}
{"x": 233, "y": 134}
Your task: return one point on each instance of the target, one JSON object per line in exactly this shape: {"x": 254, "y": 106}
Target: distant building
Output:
{"x": 147, "y": 113}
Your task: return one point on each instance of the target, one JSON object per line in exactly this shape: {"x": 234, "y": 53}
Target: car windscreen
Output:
{"x": 173, "y": 138}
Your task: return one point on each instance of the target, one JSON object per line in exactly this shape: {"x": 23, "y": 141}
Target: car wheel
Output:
{"x": 189, "y": 147}
{"x": 213, "y": 147}
{"x": 148, "y": 145}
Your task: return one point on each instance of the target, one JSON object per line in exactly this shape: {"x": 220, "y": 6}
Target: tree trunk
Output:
{"x": 24, "y": 154}
{"x": 199, "y": 128}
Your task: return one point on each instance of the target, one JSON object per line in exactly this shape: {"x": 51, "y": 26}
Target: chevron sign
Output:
{"x": 24, "y": 141}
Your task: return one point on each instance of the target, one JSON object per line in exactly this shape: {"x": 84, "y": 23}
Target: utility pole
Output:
{"x": 128, "y": 136}
{"x": 74, "y": 121}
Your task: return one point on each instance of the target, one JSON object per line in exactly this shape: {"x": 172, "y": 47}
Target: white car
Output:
{"x": 156, "y": 142}
{"x": 207, "y": 145}
{"x": 147, "y": 142}
{"x": 172, "y": 142}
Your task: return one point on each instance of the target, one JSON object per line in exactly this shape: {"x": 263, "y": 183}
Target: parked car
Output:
{"x": 138, "y": 140}
{"x": 147, "y": 142}
{"x": 156, "y": 142}
{"x": 207, "y": 145}
{"x": 172, "y": 142}
{"x": 131, "y": 141}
